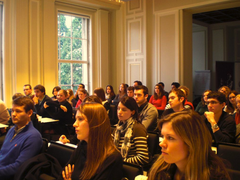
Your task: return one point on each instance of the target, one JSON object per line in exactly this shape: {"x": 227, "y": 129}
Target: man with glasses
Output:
{"x": 221, "y": 125}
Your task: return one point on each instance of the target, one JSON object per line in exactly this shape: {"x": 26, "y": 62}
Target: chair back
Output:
{"x": 130, "y": 171}
{"x": 61, "y": 152}
{"x": 153, "y": 142}
{"x": 44, "y": 145}
{"x": 231, "y": 153}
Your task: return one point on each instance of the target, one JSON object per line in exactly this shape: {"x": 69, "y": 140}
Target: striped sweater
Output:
{"x": 138, "y": 151}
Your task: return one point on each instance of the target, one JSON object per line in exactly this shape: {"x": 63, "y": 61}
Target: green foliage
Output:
{"x": 69, "y": 48}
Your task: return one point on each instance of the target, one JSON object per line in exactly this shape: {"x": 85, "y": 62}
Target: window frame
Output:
{"x": 84, "y": 62}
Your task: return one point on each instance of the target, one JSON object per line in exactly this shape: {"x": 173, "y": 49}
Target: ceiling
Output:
{"x": 219, "y": 16}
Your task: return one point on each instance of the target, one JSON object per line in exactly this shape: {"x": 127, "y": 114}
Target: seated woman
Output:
{"x": 187, "y": 104}
{"x": 130, "y": 136}
{"x": 60, "y": 110}
{"x": 70, "y": 97}
{"x": 96, "y": 157}
{"x": 82, "y": 94}
{"x": 110, "y": 95}
{"x": 186, "y": 150}
{"x": 55, "y": 92}
{"x": 122, "y": 93}
{"x": 73, "y": 139}
{"x": 159, "y": 100}
{"x": 231, "y": 107}
{"x": 202, "y": 105}
{"x": 99, "y": 92}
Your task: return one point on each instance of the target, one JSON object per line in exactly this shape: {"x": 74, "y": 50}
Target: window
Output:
{"x": 73, "y": 50}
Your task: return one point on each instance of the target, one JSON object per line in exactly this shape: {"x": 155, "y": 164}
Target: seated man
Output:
{"x": 147, "y": 112}
{"x": 39, "y": 100}
{"x": 137, "y": 83}
{"x": 27, "y": 89}
{"x": 22, "y": 141}
{"x": 176, "y": 102}
{"x": 175, "y": 85}
{"x": 165, "y": 92}
{"x": 130, "y": 91}
{"x": 221, "y": 125}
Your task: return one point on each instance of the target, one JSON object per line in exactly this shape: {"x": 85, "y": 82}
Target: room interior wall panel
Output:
{"x": 135, "y": 42}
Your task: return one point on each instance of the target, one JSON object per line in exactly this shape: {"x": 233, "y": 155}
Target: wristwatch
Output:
{"x": 215, "y": 126}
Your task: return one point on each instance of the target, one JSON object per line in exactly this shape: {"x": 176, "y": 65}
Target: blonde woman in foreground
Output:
{"x": 186, "y": 150}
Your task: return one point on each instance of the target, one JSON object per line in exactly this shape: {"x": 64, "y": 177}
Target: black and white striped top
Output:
{"x": 138, "y": 152}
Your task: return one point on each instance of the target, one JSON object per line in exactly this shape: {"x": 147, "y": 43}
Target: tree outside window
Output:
{"x": 73, "y": 51}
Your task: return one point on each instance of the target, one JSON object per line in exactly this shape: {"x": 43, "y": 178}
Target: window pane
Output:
{"x": 65, "y": 48}
{"x": 65, "y": 73}
{"x": 64, "y": 25}
{"x": 77, "y": 49}
{"x": 77, "y": 27}
{"x": 65, "y": 87}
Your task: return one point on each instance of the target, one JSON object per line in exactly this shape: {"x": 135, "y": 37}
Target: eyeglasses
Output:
{"x": 212, "y": 102}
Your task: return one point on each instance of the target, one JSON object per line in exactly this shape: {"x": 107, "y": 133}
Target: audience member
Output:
{"x": 27, "y": 90}
{"x": 202, "y": 105}
{"x": 165, "y": 92}
{"x": 147, "y": 112}
{"x": 175, "y": 85}
{"x": 221, "y": 125}
{"x": 39, "y": 99}
{"x": 82, "y": 94}
{"x": 4, "y": 118}
{"x": 186, "y": 150}
{"x": 110, "y": 95}
{"x": 122, "y": 93}
{"x": 137, "y": 83}
{"x": 187, "y": 104}
{"x": 231, "y": 107}
{"x": 80, "y": 86}
{"x": 237, "y": 114}
{"x": 159, "y": 100}
{"x": 99, "y": 92}
{"x": 176, "y": 102}
{"x": 130, "y": 136}
{"x": 71, "y": 98}
{"x": 4, "y": 115}
{"x": 55, "y": 92}
{"x": 96, "y": 157}
{"x": 60, "y": 110}
{"x": 22, "y": 141}
{"x": 225, "y": 90}
{"x": 130, "y": 91}
{"x": 74, "y": 139}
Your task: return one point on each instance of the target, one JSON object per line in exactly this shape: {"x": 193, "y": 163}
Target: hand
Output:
{"x": 210, "y": 117}
{"x": 63, "y": 108}
{"x": 45, "y": 105}
{"x": 35, "y": 100}
{"x": 67, "y": 174}
{"x": 64, "y": 139}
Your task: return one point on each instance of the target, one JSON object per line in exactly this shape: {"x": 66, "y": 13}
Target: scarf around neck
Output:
{"x": 126, "y": 129}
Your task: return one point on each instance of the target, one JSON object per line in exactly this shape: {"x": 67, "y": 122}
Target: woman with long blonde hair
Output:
{"x": 96, "y": 157}
{"x": 186, "y": 150}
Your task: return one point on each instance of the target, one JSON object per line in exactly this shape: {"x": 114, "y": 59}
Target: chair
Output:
{"x": 130, "y": 171}
{"x": 61, "y": 152}
{"x": 113, "y": 114}
{"x": 44, "y": 145}
{"x": 153, "y": 141}
{"x": 230, "y": 152}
